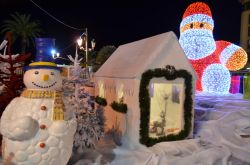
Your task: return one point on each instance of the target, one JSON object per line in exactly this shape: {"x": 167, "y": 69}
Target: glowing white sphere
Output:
{"x": 216, "y": 79}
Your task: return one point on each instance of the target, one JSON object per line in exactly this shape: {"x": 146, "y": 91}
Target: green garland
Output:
{"x": 100, "y": 101}
{"x": 170, "y": 74}
{"x": 119, "y": 107}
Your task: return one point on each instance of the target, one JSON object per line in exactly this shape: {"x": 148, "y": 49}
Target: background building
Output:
{"x": 245, "y": 28}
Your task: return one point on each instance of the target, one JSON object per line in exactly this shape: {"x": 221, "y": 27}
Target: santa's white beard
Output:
{"x": 197, "y": 44}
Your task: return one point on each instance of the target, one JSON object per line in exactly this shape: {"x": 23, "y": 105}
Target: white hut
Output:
{"x": 154, "y": 80}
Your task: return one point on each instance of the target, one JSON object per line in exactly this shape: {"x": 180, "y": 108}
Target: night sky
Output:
{"x": 119, "y": 22}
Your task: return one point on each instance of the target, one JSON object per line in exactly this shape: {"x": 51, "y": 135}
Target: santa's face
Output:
{"x": 197, "y": 43}
{"x": 43, "y": 79}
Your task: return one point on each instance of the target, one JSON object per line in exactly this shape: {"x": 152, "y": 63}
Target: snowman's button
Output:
{"x": 42, "y": 145}
{"x": 43, "y": 107}
{"x": 42, "y": 126}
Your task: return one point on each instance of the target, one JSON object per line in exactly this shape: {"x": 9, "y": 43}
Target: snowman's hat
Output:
{"x": 196, "y": 14}
{"x": 43, "y": 58}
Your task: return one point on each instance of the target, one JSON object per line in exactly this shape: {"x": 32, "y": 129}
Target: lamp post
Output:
{"x": 56, "y": 55}
{"x": 86, "y": 48}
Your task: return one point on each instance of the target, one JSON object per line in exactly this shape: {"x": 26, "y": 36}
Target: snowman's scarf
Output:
{"x": 58, "y": 107}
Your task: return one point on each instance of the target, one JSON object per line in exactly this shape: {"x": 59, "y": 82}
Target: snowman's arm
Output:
{"x": 72, "y": 125}
{"x": 6, "y": 123}
{"x": 61, "y": 128}
{"x": 70, "y": 120}
{"x": 22, "y": 128}
{"x": 233, "y": 57}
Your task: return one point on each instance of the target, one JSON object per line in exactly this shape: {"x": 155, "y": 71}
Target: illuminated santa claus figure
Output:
{"x": 211, "y": 59}
{"x": 37, "y": 129}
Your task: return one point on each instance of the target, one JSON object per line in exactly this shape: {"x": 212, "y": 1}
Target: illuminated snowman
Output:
{"x": 211, "y": 59}
{"x": 36, "y": 128}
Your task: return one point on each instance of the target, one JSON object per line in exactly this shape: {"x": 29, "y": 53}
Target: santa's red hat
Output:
{"x": 198, "y": 12}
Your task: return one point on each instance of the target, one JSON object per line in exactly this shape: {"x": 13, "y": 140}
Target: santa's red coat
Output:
{"x": 214, "y": 58}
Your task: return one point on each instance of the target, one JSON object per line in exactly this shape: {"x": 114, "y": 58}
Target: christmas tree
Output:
{"x": 90, "y": 121}
{"x": 11, "y": 74}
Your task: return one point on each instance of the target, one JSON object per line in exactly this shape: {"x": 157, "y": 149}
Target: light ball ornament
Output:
{"x": 215, "y": 75}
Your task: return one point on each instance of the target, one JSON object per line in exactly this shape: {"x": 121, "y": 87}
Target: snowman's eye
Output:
{"x": 36, "y": 72}
{"x": 52, "y": 73}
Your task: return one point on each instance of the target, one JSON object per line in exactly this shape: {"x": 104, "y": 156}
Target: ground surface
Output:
{"x": 222, "y": 137}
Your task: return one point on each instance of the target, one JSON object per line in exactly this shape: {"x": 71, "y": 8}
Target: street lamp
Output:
{"x": 86, "y": 48}
{"x": 56, "y": 55}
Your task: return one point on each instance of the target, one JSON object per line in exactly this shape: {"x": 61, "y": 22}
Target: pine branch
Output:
{"x": 14, "y": 67}
{"x": 22, "y": 58}
{"x": 4, "y": 73}
{"x": 5, "y": 60}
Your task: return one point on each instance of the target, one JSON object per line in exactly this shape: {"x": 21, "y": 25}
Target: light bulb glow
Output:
{"x": 197, "y": 8}
{"x": 197, "y": 25}
{"x": 201, "y": 18}
{"x": 216, "y": 79}
{"x": 79, "y": 42}
{"x": 53, "y": 52}
{"x": 237, "y": 61}
{"x": 235, "y": 84}
{"x": 197, "y": 43}
{"x": 211, "y": 59}
{"x": 227, "y": 52}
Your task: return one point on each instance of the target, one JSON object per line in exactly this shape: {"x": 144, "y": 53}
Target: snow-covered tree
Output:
{"x": 11, "y": 74}
{"x": 90, "y": 121}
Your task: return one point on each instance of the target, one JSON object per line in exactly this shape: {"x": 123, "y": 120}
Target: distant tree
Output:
{"x": 91, "y": 57}
{"x": 104, "y": 53}
{"x": 21, "y": 27}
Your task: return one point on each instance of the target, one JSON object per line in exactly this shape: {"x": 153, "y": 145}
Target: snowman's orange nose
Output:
{"x": 45, "y": 77}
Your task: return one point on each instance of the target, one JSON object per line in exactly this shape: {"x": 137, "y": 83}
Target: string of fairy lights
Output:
{"x": 233, "y": 57}
{"x": 197, "y": 43}
{"x": 216, "y": 79}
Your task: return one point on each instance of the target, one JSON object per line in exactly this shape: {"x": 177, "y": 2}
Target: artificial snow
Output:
{"x": 222, "y": 137}
{"x": 2, "y": 88}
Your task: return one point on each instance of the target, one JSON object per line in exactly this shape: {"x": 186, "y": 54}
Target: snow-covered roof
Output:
{"x": 132, "y": 59}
